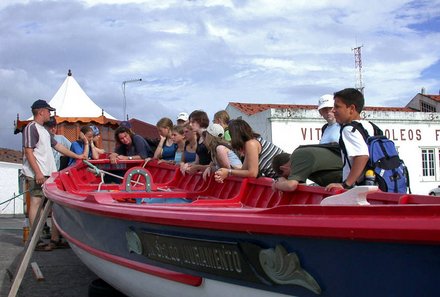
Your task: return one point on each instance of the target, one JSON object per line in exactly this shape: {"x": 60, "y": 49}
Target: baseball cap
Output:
{"x": 326, "y": 101}
{"x": 183, "y": 116}
{"x": 95, "y": 130}
{"x": 215, "y": 130}
{"x": 125, "y": 124}
{"x": 42, "y": 104}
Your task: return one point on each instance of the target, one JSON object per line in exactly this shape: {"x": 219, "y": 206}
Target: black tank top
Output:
{"x": 203, "y": 153}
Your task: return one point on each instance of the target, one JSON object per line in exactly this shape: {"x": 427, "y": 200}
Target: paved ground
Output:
{"x": 65, "y": 275}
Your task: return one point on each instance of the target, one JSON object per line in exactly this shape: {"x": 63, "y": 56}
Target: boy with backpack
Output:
{"x": 348, "y": 106}
{"x": 363, "y": 146}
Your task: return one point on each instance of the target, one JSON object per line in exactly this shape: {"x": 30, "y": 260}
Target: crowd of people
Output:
{"x": 225, "y": 147}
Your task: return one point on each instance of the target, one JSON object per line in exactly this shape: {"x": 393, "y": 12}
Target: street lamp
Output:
{"x": 125, "y": 99}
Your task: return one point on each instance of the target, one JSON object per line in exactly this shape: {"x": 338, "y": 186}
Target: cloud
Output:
{"x": 203, "y": 54}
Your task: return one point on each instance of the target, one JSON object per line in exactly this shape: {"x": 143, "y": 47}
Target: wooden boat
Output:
{"x": 161, "y": 233}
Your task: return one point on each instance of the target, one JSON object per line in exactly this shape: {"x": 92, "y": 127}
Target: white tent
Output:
{"x": 71, "y": 101}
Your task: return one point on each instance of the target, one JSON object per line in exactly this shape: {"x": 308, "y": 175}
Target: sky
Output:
{"x": 198, "y": 54}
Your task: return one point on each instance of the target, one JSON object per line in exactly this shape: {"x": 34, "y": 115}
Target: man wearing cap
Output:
{"x": 331, "y": 130}
{"x": 38, "y": 160}
{"x": 182, "y": 119}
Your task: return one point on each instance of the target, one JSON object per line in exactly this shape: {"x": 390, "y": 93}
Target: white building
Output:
{"x": 9, "y": 187}
{"x": 415, "y": 129}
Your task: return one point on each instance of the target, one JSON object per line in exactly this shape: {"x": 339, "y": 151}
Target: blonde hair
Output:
{"x": 222, "y": 116}
{"x": 165, "y": 123}
{"x": 178, "y": 129}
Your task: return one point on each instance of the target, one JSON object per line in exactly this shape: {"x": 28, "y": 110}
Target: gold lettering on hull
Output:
{"x": 220, "y": 257}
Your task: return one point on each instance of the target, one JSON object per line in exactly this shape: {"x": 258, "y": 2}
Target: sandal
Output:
{"x": 52, "y": 245}
{"x": 43, "y": 247}
{"x": 58, "y": 244}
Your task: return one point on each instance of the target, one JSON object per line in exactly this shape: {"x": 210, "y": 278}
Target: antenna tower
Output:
{"x": 358, "y": 68}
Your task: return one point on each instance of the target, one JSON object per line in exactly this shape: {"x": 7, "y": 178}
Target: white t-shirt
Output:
{"x": 35, "y": 136}
{"x": 355, "y": 144}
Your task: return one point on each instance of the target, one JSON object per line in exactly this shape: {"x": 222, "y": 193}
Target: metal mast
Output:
{"x": 358, "y": 68}
{"x": 125, "y": 116}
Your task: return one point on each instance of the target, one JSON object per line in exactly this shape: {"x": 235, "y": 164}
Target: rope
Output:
{"x": 143, "y": 166}
{"x": 102, "y": 181}
{"x": 97, "y": 170}
{"x": 18, "y": 195}
{"x": 103, "y": 172}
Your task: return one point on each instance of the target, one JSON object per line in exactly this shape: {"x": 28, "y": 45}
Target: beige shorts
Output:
{"x": 34, "y": 189}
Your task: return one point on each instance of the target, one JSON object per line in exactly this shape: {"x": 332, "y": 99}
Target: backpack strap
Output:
{"x": 323, "y": 128}
{"x": 356, "y": 126}
{"x": 376, "y": 129}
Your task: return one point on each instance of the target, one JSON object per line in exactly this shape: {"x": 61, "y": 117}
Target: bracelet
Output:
{"x": 229, "y": 171}
{"x": 345, "y": 186}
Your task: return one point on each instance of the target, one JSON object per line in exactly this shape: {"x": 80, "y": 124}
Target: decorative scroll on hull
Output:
{"x": 285, "y": 269}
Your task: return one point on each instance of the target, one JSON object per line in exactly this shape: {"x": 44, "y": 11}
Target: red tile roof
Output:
{"x": 145, "y": 130}
{"x": 10, "y": 156}
{"x": 433, "y": 97}
{"x": 253, "y": 108}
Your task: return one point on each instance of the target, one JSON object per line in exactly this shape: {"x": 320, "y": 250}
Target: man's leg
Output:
{"x": 36, "y": 199}
{"x": 33, "y": 209}
{"x": 54, "y": 233}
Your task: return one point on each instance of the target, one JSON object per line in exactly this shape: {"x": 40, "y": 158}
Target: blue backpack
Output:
{"x": 391, "y": 173}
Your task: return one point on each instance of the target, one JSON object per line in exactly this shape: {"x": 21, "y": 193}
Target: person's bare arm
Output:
{"x": 357, "y": 169}
{"x": 222, "y": 157}
{"x": 39, "y": 177}
{"x": 95, "y": 151}
{"x": 158, "y": 151}
{"x": 250, "y": 165}
{"x": 284, "y": 184}
{"x": 62, "y": 149}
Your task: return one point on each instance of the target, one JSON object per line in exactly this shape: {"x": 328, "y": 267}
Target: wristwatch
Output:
{"x": 130, "y": 158}
{"x": 345, "y": 186}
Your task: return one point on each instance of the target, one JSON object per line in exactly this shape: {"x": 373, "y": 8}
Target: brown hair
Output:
{"x": 86, "y": 129}
{"x": 278, "y": 161}
{"x": 240, "y": 133}
{"x": 213, "y": 143}
{"x": 121, "y": 130}
{"x": 200, "y": 117}
{"x": 351, "y": 96}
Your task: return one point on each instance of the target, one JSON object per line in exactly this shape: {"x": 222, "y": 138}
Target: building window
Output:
{"x": 426, "y": 107}
{"x": 429, "y": 163}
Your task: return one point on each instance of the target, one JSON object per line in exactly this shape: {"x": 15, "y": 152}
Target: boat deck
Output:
{"x": 167, "y": 182}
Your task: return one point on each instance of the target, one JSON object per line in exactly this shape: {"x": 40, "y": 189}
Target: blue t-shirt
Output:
{"x": 178, "y": 157}
{"x": 169, "y": 151}
{"x": 78, "y": 148}
{"x": 189, "y": 156}
{"x": 331, "y": 134}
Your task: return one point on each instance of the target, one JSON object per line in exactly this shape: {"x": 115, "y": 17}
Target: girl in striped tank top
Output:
{"x": 257, "y": 152}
